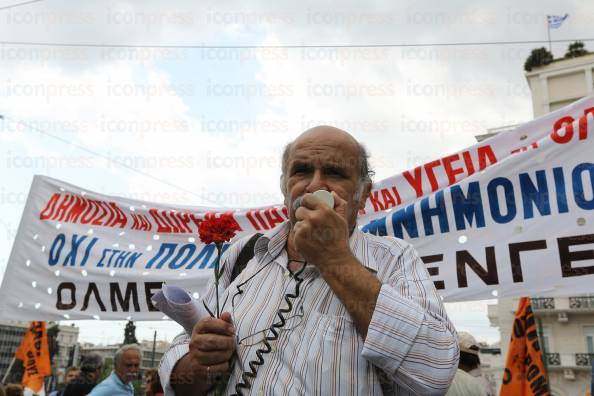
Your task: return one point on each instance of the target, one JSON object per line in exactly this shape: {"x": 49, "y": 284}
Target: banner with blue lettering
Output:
{"x": 509, "y": 216}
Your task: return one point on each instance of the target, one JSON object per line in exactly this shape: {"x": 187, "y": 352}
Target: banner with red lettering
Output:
{"x": 512, "y": 215}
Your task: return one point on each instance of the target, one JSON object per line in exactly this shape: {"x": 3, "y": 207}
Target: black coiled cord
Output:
{"x": 254, "y": 364}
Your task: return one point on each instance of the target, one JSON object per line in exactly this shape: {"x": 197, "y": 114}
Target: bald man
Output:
{"x": 321, "y": 308}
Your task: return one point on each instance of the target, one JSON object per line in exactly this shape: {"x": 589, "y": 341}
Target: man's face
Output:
{"x": 128, "y": 366}
{"x": 324, "y": 162}
{"x": 70, "y": 375}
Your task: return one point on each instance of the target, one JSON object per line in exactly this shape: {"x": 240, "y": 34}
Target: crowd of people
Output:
{"x": 91, "y": 379}
{"x": 84, "y": 380}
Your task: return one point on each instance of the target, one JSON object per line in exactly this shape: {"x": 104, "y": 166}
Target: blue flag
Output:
{"x": 555, "y": 21}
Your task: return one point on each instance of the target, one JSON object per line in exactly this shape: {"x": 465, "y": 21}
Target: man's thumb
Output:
{"x": 339, "y": 204}
{"x": 226, "y": 316}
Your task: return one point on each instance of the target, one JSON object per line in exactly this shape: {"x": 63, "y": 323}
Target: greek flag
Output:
{"x": 555, "y": 20}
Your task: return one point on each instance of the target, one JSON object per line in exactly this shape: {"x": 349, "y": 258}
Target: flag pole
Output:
{"x": 154, "y": 344}
{"x": 549, "y": 34}
{"x": 8, "y": 370}
{"x": 542, "y": 346}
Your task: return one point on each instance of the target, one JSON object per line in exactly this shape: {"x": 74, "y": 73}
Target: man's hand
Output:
{"x": 321, "y": 233}
{"x": 211, "y": 347}
{"x": 321, "y": 236}
{"x": 213, "y": 344}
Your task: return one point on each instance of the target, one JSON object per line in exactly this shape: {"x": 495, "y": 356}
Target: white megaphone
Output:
{"x": 323, "y": 195}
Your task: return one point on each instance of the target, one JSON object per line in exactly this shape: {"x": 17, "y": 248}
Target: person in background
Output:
{"x": 469, "y": 379}
{"x": 465, "y": 384}
{"x": 13, "y": 390}
{"x": 70, "y": 374}
{"x": 152, "y": 384}
{"x": 470, "y": 361}
{"x": 2, "y": 393}
{"x": 126, "y": 363}
{"x": 90, "y": 371}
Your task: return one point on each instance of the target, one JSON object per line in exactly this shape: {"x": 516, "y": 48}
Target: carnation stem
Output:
{"x": 219, "y": 246}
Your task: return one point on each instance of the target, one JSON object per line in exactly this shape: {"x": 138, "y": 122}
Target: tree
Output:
{"x": 538, "y": 57}
{"x": 575, "y": 49}
{"x": 130, "y": 333}
{"x": 107, "y": 368}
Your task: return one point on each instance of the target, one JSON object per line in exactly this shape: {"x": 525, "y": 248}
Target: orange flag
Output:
{"x": 524, "y": 370}
{"x": 34, "y": 353}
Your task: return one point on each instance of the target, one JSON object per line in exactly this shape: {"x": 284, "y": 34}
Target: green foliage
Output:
{"x": 575, "y": 49}
{"x": 107, "y": 369}
{"x": 538, "y": 57}
{"x": 138, "y": 391}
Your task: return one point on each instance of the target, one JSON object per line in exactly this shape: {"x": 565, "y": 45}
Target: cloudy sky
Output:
{"x": 154, "y": 120}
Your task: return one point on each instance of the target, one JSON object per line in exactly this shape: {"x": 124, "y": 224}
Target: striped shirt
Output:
{"x": 411, "y": 346}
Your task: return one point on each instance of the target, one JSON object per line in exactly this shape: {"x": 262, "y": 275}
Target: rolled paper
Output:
{"x": 179, "y": 305}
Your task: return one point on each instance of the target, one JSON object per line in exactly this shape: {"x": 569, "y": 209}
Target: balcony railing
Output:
{"x": 540, "y": 303}
{"x": 584, "y": 302}
{"x": 553, "y": 359}
{"x": 558, "y": 360}
{"x": 584, "y": 359}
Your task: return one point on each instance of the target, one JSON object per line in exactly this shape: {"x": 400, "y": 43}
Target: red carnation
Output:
{"x": 218, "y": 229}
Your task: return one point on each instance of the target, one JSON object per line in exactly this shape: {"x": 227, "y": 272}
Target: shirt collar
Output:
{"x": 119, "y": 382}
{"x": 269, "y": 246}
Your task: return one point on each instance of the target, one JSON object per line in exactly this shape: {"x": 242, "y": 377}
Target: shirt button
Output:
{"x": 261, "y": 393}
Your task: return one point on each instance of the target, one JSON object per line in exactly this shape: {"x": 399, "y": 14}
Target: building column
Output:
{"x": 544, "y": 85}
{"x": 589, "y": 84}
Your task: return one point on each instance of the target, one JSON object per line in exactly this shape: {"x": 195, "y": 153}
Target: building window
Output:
{"x": 589, "y": 334}
{"x": 546, "y": 337}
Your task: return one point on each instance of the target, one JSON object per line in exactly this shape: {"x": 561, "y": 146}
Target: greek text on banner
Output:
{"x": 510, "y": 216}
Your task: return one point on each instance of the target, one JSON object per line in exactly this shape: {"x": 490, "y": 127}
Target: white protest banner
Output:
{"x": 509, "y": 216}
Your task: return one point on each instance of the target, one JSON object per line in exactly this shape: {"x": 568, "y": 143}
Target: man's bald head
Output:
{"x": 326, "y": 133}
